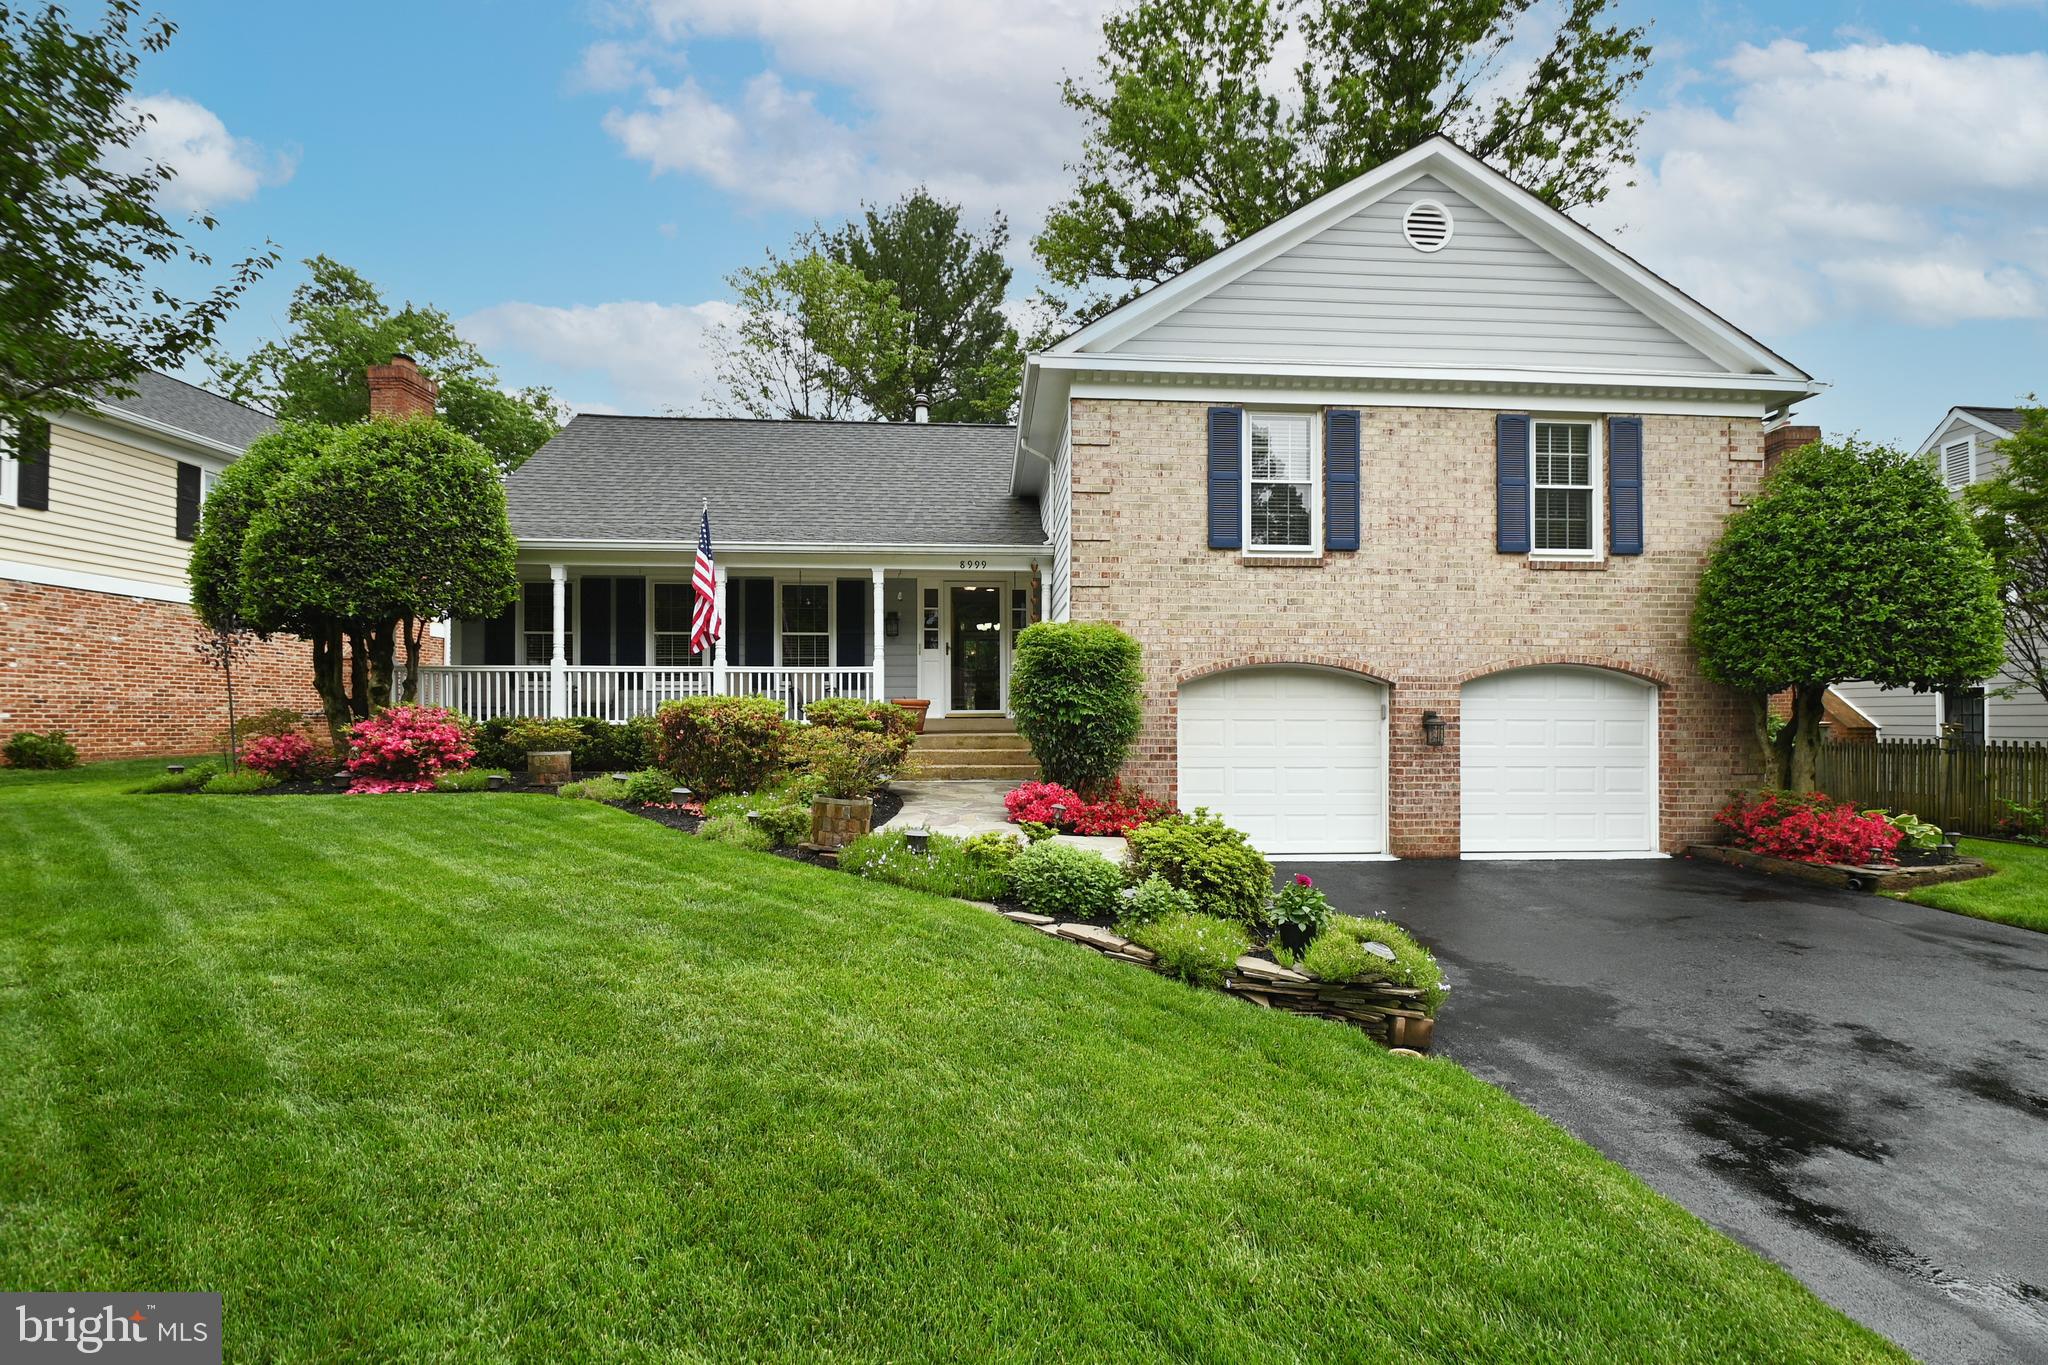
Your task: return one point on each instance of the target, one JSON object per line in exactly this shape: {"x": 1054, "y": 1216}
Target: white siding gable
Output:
{"x": 1357, "y": 292}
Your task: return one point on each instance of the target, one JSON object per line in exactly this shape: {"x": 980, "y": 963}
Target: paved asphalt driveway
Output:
{"x": 1855, "y": 1087}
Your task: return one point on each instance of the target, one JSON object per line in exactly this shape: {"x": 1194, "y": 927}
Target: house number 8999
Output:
{"x": 974, "y": 563}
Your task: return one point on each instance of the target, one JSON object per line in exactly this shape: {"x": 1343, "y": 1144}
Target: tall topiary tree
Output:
{"x": 354, "y": 538}
{"x": 1075, "y": 690}
{"x": 2011, "y": 516}
{"x": 1852, "y": 563}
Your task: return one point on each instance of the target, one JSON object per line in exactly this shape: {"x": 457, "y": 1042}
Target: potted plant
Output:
{"x": 1297, "y": 913}
{"x": 916, "y": 706}
{"x": 848, "y": 765}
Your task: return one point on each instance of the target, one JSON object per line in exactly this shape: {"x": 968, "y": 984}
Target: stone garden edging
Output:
{"x": 1846, "y": 876}
{"x": 1390, "y": 1015}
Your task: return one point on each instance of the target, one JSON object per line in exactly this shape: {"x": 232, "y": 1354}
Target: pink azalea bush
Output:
{"x": 401, "y": 749}
{"x": 1808, "y": 828}
{"x": 1115, "y": 812}
{"x": 287, "y": 757}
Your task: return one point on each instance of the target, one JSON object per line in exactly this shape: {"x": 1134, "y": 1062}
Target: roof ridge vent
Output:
{"x": 1427, "y": 225}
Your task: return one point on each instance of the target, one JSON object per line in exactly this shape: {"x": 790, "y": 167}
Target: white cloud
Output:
{"x": 653, "y": 356}
{"x": 864, "y": 101}
{"x": 214, "y": 167}
{"x": 1879, "y": 180}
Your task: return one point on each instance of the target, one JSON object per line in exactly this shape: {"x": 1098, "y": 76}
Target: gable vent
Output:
{"x": 1427, "y": 225}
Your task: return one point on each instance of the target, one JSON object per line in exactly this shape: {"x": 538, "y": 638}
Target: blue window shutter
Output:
{"x": 1511, "y": 482}
{"x": 1625, "y": 485}
{"x": 1226, "y": 478}
{"x": 1340, "y": 479}
{"x": 629, "y": 607}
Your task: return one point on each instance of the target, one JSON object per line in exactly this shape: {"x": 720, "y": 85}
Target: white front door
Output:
{"x": 1294, "y": 757}
{"x": 929, "y": 620}
{"x": 1558, "y": 760}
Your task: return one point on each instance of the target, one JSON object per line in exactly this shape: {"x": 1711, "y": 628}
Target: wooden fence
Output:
{"x": 1956, "y": 787}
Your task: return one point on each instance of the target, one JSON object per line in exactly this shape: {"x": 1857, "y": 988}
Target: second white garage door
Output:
{"x": 1559, "y": 760}
{"x": 1291, "y": 756}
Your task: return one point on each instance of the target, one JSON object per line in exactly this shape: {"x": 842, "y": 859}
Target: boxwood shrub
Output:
{"x": 715, "y": 745}
{"x": 1201, "y": 855}
{"x": 1066, "y": 882}
{"x": 1074, "y": 688}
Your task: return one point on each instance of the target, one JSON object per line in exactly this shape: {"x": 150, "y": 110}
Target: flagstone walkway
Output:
{"x": 972, "y": 806}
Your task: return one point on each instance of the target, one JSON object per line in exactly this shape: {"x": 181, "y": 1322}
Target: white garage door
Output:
{"x": 1559, "y": 760}
{"x": 1291, "y": 756}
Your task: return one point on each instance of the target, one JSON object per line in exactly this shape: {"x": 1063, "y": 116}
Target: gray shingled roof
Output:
{"x": 799, "y": 483}
{"x": 191, "y": 409}
{"x": 2008, "y": 418}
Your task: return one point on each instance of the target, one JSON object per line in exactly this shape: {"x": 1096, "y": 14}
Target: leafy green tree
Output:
{"x": 1191, "y": 144}
{"x": 964, "y": 352}
{"x": 814, "y": 337}
{"x": 340, "y": 326}
{"x": 355, "y": 538}
{"x": 1853, "y": 562}
{"x": 2011, "y": 516}
{"x": 81, "y": 311}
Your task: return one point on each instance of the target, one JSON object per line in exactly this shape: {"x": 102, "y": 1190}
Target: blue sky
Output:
{"x": 1864, "y": 185}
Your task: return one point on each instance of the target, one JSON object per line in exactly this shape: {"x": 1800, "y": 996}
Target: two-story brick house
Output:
{"x": 1407, "y": 497}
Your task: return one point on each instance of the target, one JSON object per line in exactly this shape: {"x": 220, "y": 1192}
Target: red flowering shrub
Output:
{"x": 1114, "y": 813}
{"x": 1810, "y": 828}
{"x": 401, "y": 749}
{"x": 288, "y": 758}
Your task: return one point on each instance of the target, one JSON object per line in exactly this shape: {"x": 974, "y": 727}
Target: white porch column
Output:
{"x": 558, "y": 658}
{"x": 875, "y": 637}
{"x": 718, "y": 655}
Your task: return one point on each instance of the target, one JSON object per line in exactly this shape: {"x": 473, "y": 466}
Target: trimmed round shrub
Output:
{"x": 1066, "y": 882}
{"x": 51, "y": 750}
{"x": 1198, "y": 949}
{"x": 1339, "y": 954}
{"x": 1074, "y": 687}
{"x": 1201, "y": 855}
{"x": 1152, "y": 900}
{"x": 714, "y": 745}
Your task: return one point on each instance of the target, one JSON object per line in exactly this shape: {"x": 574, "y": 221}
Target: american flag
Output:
{"x": 706, "y": 624}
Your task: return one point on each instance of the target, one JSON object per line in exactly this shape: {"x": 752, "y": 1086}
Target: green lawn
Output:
{"x": 2018, "y": 894}
{"x": 508, "y": 1076}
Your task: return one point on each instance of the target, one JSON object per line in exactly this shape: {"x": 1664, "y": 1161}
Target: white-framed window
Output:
{"x": 1956, "y": 464}
{"x": 1020, "y": 609}
{"x": 929, "y": 619}
{"x": 538, "y": 627}
{"x": 1564, "y": 489}
{"x": 10, "y": 470}
{"x": 674, "y": 606}
{"x": 806, "y": 625}
{"x": 1283, "y": 484}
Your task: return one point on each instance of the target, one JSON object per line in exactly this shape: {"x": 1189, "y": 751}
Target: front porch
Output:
{"x": 597, "y": 635}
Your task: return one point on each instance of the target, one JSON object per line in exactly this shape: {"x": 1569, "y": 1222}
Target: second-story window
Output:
{"x": 1564, "y": 480}
{"x": 1280, "y": 478}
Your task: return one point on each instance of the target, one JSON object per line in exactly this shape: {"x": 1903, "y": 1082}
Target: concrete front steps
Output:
{"x": 967, "y": 748}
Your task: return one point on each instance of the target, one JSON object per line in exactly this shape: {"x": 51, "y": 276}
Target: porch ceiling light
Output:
{"x": 1433, "y": 729}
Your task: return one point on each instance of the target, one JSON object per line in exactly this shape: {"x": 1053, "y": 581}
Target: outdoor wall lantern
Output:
{"x": 892, "y": 624}
{"x": 1433, "y": 729}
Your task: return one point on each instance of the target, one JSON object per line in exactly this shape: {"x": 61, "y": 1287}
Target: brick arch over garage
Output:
{"x": 1341, "y": 665}
{"x": 1627, "y": 667}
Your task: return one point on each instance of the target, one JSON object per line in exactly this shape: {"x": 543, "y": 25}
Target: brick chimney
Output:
{"x": 399, "y": 390}
{"x": 1783, "y": 439}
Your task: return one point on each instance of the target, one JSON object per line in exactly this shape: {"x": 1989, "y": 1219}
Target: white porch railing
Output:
{"x": 486, "y": 691}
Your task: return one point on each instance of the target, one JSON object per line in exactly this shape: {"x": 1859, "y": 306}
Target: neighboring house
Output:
{"x": 1406, "y": 498}
{"x": 97, "y": 514}
{"x": 1964, "y": 448}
